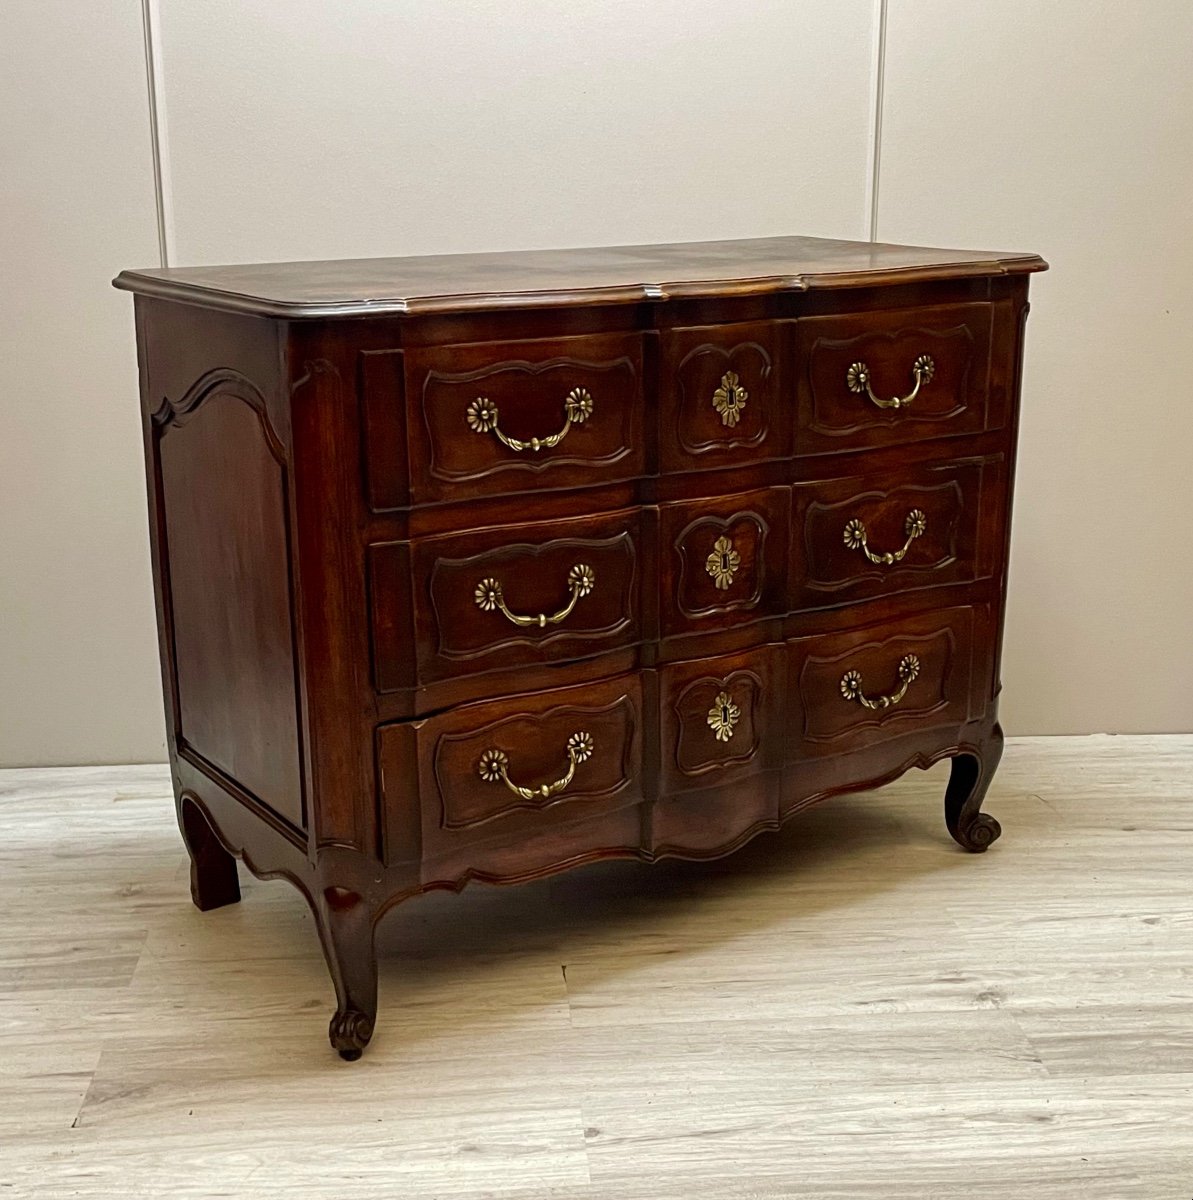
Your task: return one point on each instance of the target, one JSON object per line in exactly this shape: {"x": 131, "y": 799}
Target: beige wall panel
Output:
{"x": 79, "y": 679}
{"x": 316, "y": 130}
{"x": 1067, "y": 128}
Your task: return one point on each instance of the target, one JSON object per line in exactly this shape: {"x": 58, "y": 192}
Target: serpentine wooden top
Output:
{"x": 553, "y": 278}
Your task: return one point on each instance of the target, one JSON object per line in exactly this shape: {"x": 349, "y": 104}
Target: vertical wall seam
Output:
{"x": 150, "y": 23}
{"x": 877, "y": 95}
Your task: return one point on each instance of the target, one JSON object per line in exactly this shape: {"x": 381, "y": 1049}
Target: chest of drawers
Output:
{"x": 483, "y": 567}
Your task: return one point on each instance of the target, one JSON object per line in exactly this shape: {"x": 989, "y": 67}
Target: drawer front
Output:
{"x": 507, "y": 597}
{"x": 720, "y": 396}
{"x": 884, "y": 378}
{"x": 720, "y": 719}
{"x": 852, "y": 690}
{"x": 724, "y": 561}
{"x": 523, "y": 768}
{"x": 877, "y": 535}
{"x": 517, "y": 416}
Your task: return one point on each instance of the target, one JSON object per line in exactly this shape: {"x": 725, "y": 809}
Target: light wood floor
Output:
{"x": 852, "y": 1008}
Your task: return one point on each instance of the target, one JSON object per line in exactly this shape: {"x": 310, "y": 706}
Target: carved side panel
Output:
{"x": 223, "y": 484}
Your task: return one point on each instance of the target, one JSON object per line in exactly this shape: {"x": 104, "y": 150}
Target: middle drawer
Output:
{"x": 505, "y": 597}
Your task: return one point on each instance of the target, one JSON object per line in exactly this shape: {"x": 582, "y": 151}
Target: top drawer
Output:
{"x": 884, "y": 378}
{"x": 498, "y": 417}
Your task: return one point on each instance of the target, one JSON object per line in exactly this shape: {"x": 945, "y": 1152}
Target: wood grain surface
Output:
{"x": 850, "y": 1008}
{"x": 446, "y": 283}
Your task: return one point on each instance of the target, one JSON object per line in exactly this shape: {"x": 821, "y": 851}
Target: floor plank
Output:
{"x": 849, "y": 1008}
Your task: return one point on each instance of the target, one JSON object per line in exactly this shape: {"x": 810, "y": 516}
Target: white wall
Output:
{"x": 78, "y": 648}
{"x": 312, "y": 130}
{"x": 306, "y": 129}
{"x": 1067, "y": 128}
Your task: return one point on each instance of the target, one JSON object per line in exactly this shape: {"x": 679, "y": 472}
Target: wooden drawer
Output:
{"x": 723, "y": 561}
{"x": 845, "y": 357}
{"x": 720, "y": 719}
{"x": 508, "y": 596}
{"x": 502, "y": 417}
{"x": 875, "y": 535}
{"x": 851, "y": 690}
{"x": 568, "y": 755}
{"x": 721, "y": 399}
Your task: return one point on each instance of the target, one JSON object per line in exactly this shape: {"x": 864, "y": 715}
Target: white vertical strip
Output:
{"x": 877, "y": 84}
{"x": 151, "y": 23}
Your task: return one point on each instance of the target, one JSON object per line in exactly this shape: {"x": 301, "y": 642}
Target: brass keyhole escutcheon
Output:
{"x": 723, "y": 563}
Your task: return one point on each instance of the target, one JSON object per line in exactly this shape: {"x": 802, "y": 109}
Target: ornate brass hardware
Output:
{"x": 482, "y": 418}
{"x": 723, "y": 717}
{"x": 851, "y": 685}
{"x": 722, "y": 563}
{"x": 857, "y": 378}
{"x": 581, "y": 581}
{"x": 856, "y": 539}
{"x": 494, "y": 768}
{"x": 730, "y": 398}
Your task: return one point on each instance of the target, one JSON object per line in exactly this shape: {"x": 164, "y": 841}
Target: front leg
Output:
{"x": 972, "y": 772}
{"x": 346, "y": 928}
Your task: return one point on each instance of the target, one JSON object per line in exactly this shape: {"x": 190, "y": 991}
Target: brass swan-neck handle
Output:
{"x": 851, "y": 685}
{"x": 857, "y": 379}
{"x": 494, "y": 768}
{"x": 856, "y": 538}
{"x": 489, "y": 596}
{"x": 482, "y": 418}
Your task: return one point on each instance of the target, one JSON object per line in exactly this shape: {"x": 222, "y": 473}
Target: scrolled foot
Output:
{"x": 346, "y": 923}
{"x": 972, "y": 773}
{"x": 979, "y": 834}
{"x": 350, "y": 1032}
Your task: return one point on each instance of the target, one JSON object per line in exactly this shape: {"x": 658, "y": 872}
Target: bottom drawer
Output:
{"x": 850, "y": 690}
{"x": 523, "y": 769}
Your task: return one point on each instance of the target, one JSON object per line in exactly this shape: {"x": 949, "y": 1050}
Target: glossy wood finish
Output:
{"x": 427, "y": 621}
{"x": 722, "y": 398}
{"x": 830, "y": 567}
{"x": 450, "y": 283}
{"x": 955, "y": 400}
{"x": 528, "y": 384}
{"x": 329, "y": 499}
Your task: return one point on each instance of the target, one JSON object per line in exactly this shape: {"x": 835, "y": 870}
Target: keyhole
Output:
{"x": 724, "y": 714}
{"x": 725, "y": 563}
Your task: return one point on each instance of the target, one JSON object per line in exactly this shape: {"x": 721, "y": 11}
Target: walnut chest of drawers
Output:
{"x": 486, "y": 566}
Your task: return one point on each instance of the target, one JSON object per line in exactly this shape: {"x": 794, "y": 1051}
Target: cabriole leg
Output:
{"x": 214, "y": 882}
{"x": 970, "y": 778}
{"x": 346, "y": 926}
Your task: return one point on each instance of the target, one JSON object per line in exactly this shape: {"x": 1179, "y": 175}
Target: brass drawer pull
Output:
{"x": 856, "y": 538}
{"x": 577, "y": 408}
{"x": 581, "y": 581}
{"x": 851, "y": 685}
{"x": 494, "y": 768}
{"x": 857, "y": 378}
